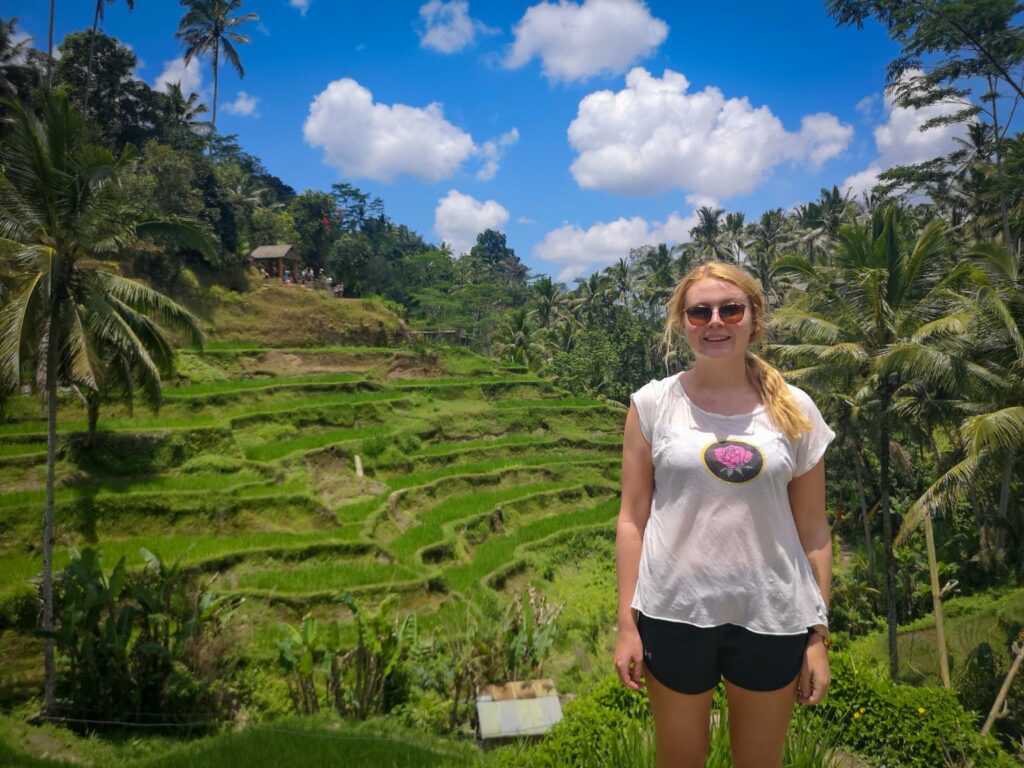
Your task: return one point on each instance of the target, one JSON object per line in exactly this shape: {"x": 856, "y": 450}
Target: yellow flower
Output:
{"x": 856, "y": 715}
{"x": 862, "y": 709}
{"x": 920, "y": 710}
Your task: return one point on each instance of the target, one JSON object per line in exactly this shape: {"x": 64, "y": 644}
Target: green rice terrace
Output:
{"x": 247, "y": 478}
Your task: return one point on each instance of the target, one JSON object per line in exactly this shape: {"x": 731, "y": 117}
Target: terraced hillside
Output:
{"x": 248, "y": 472}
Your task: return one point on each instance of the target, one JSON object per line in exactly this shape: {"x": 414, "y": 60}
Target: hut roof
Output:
{"x": 517, "y": 709}
{"x": 280, "y": 251}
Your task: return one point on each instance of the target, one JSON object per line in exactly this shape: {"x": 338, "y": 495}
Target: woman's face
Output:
{"x": 717, "y": 340}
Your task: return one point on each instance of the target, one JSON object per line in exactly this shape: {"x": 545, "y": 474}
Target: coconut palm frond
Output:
{"x": 1001, "y": 430}
{"x": 941, "y": 495}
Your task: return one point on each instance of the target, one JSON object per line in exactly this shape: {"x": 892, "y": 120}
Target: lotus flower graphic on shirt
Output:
{"x": 733, "y": 461}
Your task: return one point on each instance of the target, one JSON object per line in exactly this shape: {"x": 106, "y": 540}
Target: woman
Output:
{"x": 723, "y": 550}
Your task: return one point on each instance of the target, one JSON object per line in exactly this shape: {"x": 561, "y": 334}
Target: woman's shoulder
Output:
{"x": 804, "y": 400}
{"x": 656, "y": 387}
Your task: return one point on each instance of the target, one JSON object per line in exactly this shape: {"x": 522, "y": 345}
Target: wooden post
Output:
{"x": 1001, "y": 696}
{"x": 359, "y": 466}
{"x": 933, "y": 571}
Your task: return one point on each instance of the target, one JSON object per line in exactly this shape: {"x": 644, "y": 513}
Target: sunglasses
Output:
{"x": 730, "y": 313}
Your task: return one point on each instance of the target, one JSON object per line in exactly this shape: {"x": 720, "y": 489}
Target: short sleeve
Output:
{"x": 645, "y": 400}
{"x": 809, "y": 448}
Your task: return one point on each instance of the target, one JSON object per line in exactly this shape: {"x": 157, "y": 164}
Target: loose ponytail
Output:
{"x": 782, "y": 408}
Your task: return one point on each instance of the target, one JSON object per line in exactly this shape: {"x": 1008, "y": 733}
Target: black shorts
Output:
{"x": 691, "y": 659}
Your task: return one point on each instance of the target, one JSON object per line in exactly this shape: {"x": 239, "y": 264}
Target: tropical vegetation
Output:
{"x": 363, "y": 517}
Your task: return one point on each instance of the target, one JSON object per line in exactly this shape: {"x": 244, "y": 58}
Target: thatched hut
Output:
{"x": 273, "y": 257}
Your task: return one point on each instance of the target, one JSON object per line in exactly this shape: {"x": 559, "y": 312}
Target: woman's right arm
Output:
{"x": 637, "y": 489}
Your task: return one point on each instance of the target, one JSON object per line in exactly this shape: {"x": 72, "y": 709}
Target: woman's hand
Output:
{"x": 814, "y": 673}
{"x": 629, "y": 658}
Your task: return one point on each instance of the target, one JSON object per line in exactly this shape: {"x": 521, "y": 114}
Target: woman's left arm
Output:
{"x": 807, "y": 498}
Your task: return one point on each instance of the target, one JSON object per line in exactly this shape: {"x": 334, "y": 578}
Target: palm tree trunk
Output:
{"x": 49, "y": 50}
{"x": 1003, "y": 215}
{"x": 1004, "y": 504}
{"x": 869, "y": 545}
{"x": 890, "y": 561}
{"x": 49, "y": 684}
{"x": 216, "y": 83}
{"x": 88, "y": 64}
{"x": 933, "y": 573}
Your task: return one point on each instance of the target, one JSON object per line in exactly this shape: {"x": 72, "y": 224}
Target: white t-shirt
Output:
{"x": 721, "y": 545}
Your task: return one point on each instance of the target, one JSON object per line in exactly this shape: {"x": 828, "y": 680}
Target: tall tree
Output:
{"x": 207, "y": 28}
{"x": 964, "y": 44}
{"x": 886, "y": 286}
{"x": 63, "y": 314}
{"x": 97, "y": 17}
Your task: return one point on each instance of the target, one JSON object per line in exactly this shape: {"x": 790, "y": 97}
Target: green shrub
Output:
{"x": 912, "y": 727}
{"x": 372, "y": 447}
{"x": 19, "y": 606}
{"x": 409, "y": 442}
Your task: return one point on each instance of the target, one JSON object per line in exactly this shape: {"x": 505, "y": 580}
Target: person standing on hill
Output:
{"x": 723, "y": 549}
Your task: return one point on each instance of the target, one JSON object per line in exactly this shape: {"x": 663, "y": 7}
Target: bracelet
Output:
{"x": 826, "y": 639}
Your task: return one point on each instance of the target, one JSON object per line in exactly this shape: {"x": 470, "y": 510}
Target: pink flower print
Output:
{"x": 733, "y": 456}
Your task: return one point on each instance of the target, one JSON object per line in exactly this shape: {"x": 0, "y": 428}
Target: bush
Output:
{"x": 19, "y": 606}
{"x": 133, "y": 642}
{"x": 912, "y": 727}
{"x": 372, "y": 447}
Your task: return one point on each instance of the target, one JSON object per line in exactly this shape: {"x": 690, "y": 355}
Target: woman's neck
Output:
{"x": 719, "y": 375}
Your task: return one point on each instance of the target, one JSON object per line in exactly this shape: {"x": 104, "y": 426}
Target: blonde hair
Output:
{"x": 765, "y": 378}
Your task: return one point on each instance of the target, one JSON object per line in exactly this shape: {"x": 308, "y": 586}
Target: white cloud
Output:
{"x": 448, "y": 27}
{"x": 378, "y": 141}
{"x": 492, "y": 152}
{"x": 459, "y": 218}
{"x": 302, "y": 5}
{"x": 578, "y": 251}
{"x": 190, "y": 77}
{"x": 575, "y": 42}
{"x": 243, "y": 105}
{"x": 653, "y": 135}
{"x": 900, "y": 141}
{"x": 866, "y": 106}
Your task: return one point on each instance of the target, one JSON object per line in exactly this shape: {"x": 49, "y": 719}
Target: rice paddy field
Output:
{"x": 288, "y": 476}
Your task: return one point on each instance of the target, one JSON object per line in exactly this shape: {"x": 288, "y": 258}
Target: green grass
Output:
{"x": 430, "y": 529}
{"x": 280, "y": 448}
{"x": 323, "y": 740}
{"x": 316, "y": 575}
{"x": 275, "y": 384}
{"x": 213, "y": 482}
{"x": 500, "y": 551}
{"x": 192, "y": 550}
{"x": 540, "y": 460}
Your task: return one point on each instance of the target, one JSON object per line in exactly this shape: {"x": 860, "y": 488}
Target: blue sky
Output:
{"x": 580, "y": 129}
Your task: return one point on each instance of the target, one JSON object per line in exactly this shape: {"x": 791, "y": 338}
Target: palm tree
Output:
{"x": 766, "y": 239}
{"x": 184, "y": 112}
{"x": 549, "y": 300}
{"x": 985, "y": 363}
{"x": 517, "y": 340}
{"x": 207, "y": 28}
{"x": 61, "y": 312}
{"x": 708, "y": 236}
{"x": 622, "y": 278}
{"x": 92, "y": 44}
{"x": 885, "y": 288}
{"x": 15, "y": 76}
